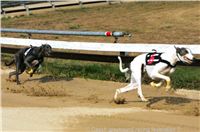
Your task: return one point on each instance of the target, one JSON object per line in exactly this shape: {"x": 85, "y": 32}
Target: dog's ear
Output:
{"x": 177, "y": 49}
{"x": 48, "y": 45}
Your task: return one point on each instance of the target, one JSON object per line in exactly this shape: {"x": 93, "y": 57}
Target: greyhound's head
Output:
{"x": 46, "y": 49}
{"x": 184, "y": 55}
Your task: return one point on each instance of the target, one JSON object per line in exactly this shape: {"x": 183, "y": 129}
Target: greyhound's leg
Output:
{"x": 131, "y": 86}
{"x": 139, "y": 83}
{"x": 27, "y": 61}
{"x": 140, "y": 93}
{"x": 17, "y": 72}
{"x": 166, "y": 78}
{"x": 137, "y": 75}
{"x": 11, "y": 74}
{"x": 20, "y": 68}
{"x": 35, "y": 69}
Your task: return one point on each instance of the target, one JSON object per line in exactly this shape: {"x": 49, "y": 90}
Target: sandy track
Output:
{"x": 51, "y": 119}
{"x": 43, "y": 103}
{"x": 91, "y": 119}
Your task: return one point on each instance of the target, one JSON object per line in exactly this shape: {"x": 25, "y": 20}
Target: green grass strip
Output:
{"x": 183, "y": 77}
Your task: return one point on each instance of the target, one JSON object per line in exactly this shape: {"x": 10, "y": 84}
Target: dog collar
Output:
{"x": 178, "y": 56}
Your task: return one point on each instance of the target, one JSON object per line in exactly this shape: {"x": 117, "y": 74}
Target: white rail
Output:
{"x": 90, "y": 46}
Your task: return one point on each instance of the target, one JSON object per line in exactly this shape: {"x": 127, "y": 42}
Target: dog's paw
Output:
{"x": 18, "y": 82}
{"x": 144, "y": 100}
{"x": 29, "y": 71}
{"x": 156, "y": 85}
{"x": 10, "y": 80}
{"x": 120, "y": 101}
{"x": 171, "y": 90}
{"x": 31, "y": 75}
{"x": 152, "y": 84}
{"x": 167, "y": 88}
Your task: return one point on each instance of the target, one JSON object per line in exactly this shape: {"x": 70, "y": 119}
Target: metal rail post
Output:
{"x": 125, "y": 64}
{"x": 52, "y": 4}
{"x": 3, "y": 12}
{"x": 108, "y": 1}
{"x": 27, "y": 9}
{"x": 80, "y": 3}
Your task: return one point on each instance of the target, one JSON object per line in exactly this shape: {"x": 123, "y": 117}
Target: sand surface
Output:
{"x": 42, "y": 103}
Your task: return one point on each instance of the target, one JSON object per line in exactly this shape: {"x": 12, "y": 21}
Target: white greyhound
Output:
{"x": 157, "y": 66}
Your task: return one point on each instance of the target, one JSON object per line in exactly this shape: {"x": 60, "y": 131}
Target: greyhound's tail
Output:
{"x": 120, "y": 65}
{"x": 10, "y": 63}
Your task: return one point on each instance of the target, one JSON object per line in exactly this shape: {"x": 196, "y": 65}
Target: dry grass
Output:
{"x": 152, "y": 22}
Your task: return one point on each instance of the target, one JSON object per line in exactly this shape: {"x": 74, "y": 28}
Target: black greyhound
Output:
{"x": 29, "y": 59}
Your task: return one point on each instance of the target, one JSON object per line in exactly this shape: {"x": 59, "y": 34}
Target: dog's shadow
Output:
{"x": 168, "y": 100}
{"x": 48, "y": 78}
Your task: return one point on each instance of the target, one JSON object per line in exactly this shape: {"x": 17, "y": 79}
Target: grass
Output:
{"x": 149, "y": 22}
{"x": 184, "y": 77}
{"x": 70, "y": 69}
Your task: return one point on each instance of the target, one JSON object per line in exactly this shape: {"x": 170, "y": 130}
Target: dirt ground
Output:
{"x": 43, "y": 103}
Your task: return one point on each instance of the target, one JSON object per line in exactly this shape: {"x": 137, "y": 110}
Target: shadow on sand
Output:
{"x": 168, "y": 100}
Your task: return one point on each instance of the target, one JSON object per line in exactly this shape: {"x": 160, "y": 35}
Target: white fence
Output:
{"x": 107, "y": 47}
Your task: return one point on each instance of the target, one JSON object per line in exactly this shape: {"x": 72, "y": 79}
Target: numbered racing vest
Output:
{"x": 154, "y": 58}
